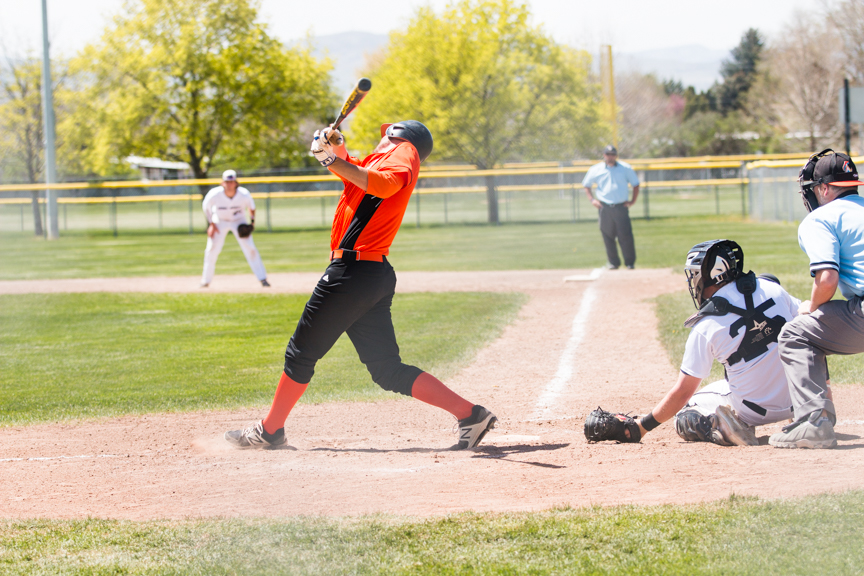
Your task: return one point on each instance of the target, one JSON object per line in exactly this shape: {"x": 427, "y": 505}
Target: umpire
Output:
{"x": 612, "y": 177}
{"x": 832, "y": 236}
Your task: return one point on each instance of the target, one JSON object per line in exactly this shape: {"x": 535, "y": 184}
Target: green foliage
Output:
{"x": 90, "y": 355}
{"x": 200, "y": 81}
{"x": 738, "y": 536}
{"x": 489, "y": 85}
{"x": 740, "y": 72}
{"x": 22, "y": 140}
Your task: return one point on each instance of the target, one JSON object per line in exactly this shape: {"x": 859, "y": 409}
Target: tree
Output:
{"x": 808, "y": 64}
{"x": 21, "y": 128}
{"x": 847, "y": 19}
{"x": 490, "y": 86}
{"x": 648, "y": 111}
{"x": 740, "y": 71}
{"x": 200, "y": 81}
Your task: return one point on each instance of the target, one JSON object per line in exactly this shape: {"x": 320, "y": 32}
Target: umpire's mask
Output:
{"x": 826, "y": 167}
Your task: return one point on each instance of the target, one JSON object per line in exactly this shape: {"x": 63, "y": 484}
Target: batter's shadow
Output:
{"x": 498, "y": 452}
{"x": 502, "y": 453}
{"x": 382, "y": 450}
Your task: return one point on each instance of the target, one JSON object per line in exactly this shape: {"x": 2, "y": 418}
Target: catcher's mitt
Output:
{"x": 601, "y": 425}
{"x": 244, "y": 230}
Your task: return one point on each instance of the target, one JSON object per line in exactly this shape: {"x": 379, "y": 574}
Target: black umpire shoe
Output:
{"x": 474, "y": 428}
{"x": 265, "y": 284}
{"x": 255, "y": 437}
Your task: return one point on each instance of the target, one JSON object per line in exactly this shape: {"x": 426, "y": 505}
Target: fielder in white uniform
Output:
{"x": 739, "y": 319}
{"x": 225, "y": 209}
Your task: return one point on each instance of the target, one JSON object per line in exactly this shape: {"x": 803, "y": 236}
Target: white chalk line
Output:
{"x": 42, "y": 458}
{"x": 561, "y": 380}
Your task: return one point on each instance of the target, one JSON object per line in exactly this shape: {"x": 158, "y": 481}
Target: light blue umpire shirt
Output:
{"x": 611, "y": 181}
{"x": 832, "y": 236}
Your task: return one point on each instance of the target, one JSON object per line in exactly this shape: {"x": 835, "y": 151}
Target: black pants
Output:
{"x": 353, "y": 297}
{"x": 615, "y": 222}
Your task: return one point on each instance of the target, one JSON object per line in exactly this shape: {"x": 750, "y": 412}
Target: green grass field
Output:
{"x": 659, "y": 243}
{"x": 118, "y": 343}
{"x": 816, "y": 535}
{"x": 87, "y": 355}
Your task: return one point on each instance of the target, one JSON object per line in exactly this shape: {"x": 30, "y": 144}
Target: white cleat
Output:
{"x": 255, "y": 437}
{"x": 474, "y": 428}
{"x": 733, "y": 430}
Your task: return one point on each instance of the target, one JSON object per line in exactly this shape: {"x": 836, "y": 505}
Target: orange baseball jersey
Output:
{"x": 367, "y": 221}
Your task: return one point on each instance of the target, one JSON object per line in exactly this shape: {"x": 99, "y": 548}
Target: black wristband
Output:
{"x": 649, "y": 422}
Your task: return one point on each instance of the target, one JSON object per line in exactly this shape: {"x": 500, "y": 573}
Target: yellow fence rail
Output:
{"x": 423, "y": 191}
{"x": 436, "y": 172}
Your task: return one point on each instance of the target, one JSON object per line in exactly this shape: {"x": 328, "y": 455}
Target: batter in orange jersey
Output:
{"x": 355, "y": 293}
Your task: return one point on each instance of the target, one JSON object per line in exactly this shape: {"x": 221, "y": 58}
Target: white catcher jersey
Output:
{"x": 760, "y": 380}
{"x": 219, "y": 208}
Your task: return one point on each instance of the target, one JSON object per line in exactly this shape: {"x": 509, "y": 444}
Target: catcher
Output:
{"x": 225, "y": 209}
{"x": 737, "y": 323}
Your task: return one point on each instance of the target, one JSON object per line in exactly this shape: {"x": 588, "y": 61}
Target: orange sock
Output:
{"x": 432, "y": 391}
{"x": 287, "y": 394}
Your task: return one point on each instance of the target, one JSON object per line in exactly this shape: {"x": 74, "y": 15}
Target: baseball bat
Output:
{"x": 360, "y": 90}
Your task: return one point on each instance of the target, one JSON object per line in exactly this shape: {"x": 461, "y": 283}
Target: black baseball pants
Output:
{"x": 353, "y": 297}
{"x": 615, "y": 222}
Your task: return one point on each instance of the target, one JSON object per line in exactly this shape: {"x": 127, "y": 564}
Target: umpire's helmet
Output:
{"x": 712, "y": 263}
{"x": 826, "y": 167}
{"x": 413, "y": 132}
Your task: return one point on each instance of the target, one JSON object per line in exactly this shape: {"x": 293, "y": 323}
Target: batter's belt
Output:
{"x": 354, "y": 255}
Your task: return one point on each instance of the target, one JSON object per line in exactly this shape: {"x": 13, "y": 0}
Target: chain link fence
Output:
{"x": 773, "y": 191}
{"x": 444, "y": 196}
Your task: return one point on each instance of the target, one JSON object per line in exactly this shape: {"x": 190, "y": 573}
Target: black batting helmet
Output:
{"x": 413, "y": 132}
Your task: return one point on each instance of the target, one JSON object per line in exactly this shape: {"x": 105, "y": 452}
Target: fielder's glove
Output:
{"x": 245, "y": 230}
{"x": 322, "y": 149}
{"x": 601, "y": 425}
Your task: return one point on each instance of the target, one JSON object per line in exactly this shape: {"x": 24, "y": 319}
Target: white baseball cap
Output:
{"x": 229, "y": 176}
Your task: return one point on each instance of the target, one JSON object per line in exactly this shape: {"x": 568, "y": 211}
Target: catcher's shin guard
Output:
{"x": 693, "y": 426}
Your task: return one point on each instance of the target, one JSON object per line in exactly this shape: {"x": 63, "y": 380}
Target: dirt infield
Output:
{"x": 574, "y": 345}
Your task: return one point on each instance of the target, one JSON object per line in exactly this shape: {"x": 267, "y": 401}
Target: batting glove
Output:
{"x": 322, "y": 149}
{"x": 334, "y": 137}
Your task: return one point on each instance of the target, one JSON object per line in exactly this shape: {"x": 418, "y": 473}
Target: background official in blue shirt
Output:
{"x": 611, "y": 198}
{"x": 832, "y": 236}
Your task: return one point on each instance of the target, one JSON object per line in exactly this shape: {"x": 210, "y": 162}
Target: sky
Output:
{"x": 629, "y": 25}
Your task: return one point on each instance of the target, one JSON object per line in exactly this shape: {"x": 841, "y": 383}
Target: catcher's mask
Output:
{"x": 712, "y": 263}
{"x": 826, "y": 167}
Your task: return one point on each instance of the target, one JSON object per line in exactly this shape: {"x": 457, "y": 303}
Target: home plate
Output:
{"x": 509, "y": 438}
{"x": 595, "y": 273}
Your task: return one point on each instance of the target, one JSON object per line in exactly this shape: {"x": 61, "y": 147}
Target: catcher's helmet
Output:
{"x": 413, "y": 132}
{"x": 712, "y": 263}
{"x": 826, "y": 167}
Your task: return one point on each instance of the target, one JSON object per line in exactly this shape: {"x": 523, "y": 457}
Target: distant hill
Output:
{"x": 693, "y": 65}
{"x": 348, "y": 51}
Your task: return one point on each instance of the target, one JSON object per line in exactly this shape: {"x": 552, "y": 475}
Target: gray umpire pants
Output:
{"x": 615, "y": 222}
{"x": 837, "y": 327}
